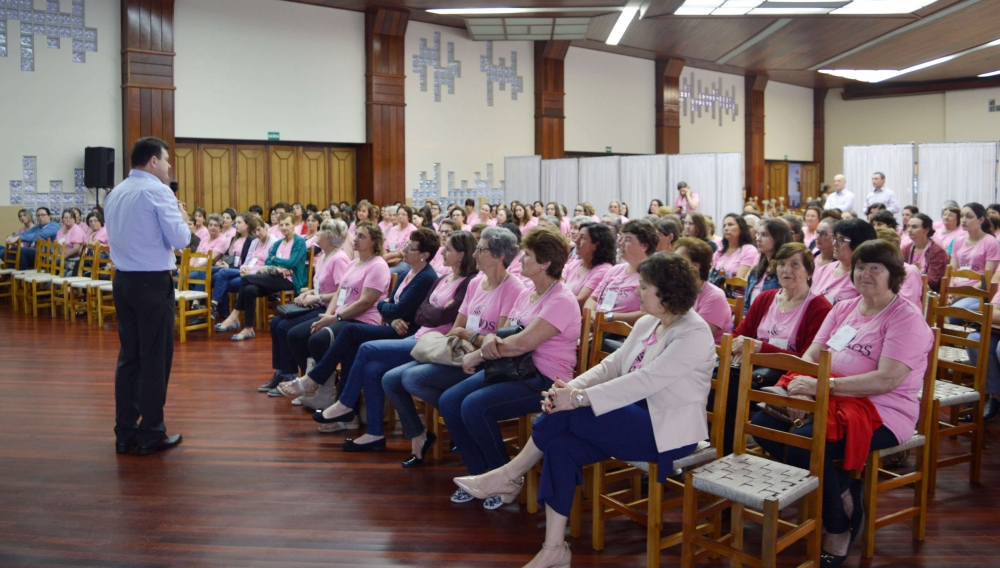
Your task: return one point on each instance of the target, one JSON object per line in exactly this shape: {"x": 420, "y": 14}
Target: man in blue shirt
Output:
{"x": 145, "y": 223}
{"x": 45, "y": 228}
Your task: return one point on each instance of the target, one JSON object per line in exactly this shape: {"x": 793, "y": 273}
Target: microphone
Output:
{"x": 174, "y": 187}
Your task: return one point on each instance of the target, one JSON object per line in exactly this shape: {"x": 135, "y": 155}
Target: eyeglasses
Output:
{"x": 481, "y": 250}
{"x": 840, "y": 239}
{"x": 822, "y": 234}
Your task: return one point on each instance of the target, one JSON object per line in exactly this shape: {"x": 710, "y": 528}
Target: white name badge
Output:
{"x": 392, "y": 246}
{"x": 609, "y": 301}
{"x": 779, "y": 343}
{"x": 252, "y": 263}
{"x": 62, "y": 241}
{"x": 838, "y": 341}
{"x": 472, "y": 324}
{"x": 342, "y": 297}
{"x": 965, "y": 268}
{"x": 830, "y": 298}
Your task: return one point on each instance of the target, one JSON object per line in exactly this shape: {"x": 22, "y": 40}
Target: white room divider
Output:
{"x": 962, "y": 171}
{"x": 560, "y": 182}
{"x": 716, "y": 178}
{"x": 522, "y": 178}
{"x": 600, "y": 182}
{"x": 643, "y": 179}
{"x": 896, "y": 161}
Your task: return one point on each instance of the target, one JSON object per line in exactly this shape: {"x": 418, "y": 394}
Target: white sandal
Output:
{"x": 300, "y": 389}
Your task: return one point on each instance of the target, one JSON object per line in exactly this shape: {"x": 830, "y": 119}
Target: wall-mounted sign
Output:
{"x": 607, "y": 149}
{"x": 274, "y": 136}
{"x": 993, "y": 106}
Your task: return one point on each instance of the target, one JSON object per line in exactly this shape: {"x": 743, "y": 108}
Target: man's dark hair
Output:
{"x": 146, "y": 149}
{"x": 47, "y": 211}
{"x": 256, "y": 209}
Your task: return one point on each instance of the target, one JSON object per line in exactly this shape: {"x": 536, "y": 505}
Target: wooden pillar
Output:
{"x": 381, "y": 161}
{"x": 147, "y": 73}
{"x": 819, "y": 130}
{"x": 668, "y": 106}
{"x": 753, "y": 156}
{"x": 550, "y": 120}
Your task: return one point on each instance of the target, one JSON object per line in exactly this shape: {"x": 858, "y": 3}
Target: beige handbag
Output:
{"x": 436, "y": 347}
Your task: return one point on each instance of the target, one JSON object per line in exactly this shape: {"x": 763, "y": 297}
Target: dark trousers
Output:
{"x": 835, "y": 481}
{"x": 145, "y": 305}
{"x": 253, "y": 286}
{"x": 281, "y": 355}
{"x": 27, "y": 258}
{"x": 303, "y": 344}
{"x": 344, "y": 348}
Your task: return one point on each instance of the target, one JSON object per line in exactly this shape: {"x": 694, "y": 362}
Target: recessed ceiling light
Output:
{"x": 769, "y": 11}
{"x": 883, "y": 6}
{"x": 875, "y": 76}
{"x": 990, "y": 74}
{"x": 506, "y": 10}
{"x": 799, "y": 7}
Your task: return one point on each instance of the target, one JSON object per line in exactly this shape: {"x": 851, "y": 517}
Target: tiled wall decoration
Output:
{"x": 481, "y": 187}
{"x": 714, "y": 97}
{"x": 443, "y": 74}
{"x": 51, "y": 23}
{"x": 25, "y": 191}
{"x": 501, "y": 74}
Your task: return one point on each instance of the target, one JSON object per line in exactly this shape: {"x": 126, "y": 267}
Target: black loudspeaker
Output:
{"x": 100, "y": 168}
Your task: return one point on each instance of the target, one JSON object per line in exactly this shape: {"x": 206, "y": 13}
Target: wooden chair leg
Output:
{"x": 769, "y": 536}
{"x": 654, "y": 518}
{"x": 870, "y": 501}
{"x": 182, "y": 326}
{"x": 597, "y": 511}
{"x": 689, "y": 529}
{"x": 920, "y": 494}
{"x": 438, "y": 431}
{"x": 934, "y": 441}
{"x": 814, "y": 542}
{"x": 975, "y": 466}
{"x": 737, "y": 529}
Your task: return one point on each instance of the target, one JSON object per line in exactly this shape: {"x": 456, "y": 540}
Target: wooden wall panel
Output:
{"x": 187, "y": 174}
{"x": 217, "y": 180}
{"x": 342, "y": 175}
{"x": 284, "y": 182}
{"x": 776, "y": 181}
{"x": 314, "y": 176}
{"x": 251, "y": 177}
{"x": 550, "y": 95}
{"x": 668, "y": 106}
{"x": 819, "y": 133}
{"x": 811, "y": 178}
{"x": 753, "y": 155}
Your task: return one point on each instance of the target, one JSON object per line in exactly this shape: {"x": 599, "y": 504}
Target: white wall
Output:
{"x": 248, "y": 67}
{"x": 461, "y": 132}
{"x": 967, "y": 116}
{"x": 610, "y": 101}
{"x": 788, "y": 122}
{"x": 61, "y": 107}
{"x": 705, "y": 134}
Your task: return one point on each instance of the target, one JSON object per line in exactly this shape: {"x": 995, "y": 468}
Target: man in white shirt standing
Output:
{"x": 841, "y": 198}
{"x": 880, "y": 194}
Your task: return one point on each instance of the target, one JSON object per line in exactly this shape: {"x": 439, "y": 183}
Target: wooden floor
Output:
{"x": 254, "y": 483}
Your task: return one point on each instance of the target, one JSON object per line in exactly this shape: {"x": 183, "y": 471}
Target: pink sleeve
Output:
{"x": 377, "y": 276}
{"x": 596, "y": 276}
{"x": 596, "y": 295}
{"x": 514, "y": 290}
{"x": 992, "y": 249}
{"x": 832, "y": 321}
{"x": 908, "y": 348}
{"x": 718, "y": 312}
{"x": 913, "y": 286}
{"x": 563, "y": 312}
{"x": 221, "y": 246}
{"x": 750, "y": 255}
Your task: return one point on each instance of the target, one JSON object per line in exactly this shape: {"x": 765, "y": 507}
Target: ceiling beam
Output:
{"x": 876, "y": 91}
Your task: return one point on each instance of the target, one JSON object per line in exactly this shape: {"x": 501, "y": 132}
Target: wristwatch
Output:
{"x": 833, "y": 384}
{"x": 578, "y": 398}
{"x": 609, "y": 316}
{"x": 339, "y": 318}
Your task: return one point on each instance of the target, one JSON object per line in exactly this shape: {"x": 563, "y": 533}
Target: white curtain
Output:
{"x": 643, "y": 179}
{"x": 894, "y": 160}
{"x": 699, "y": 172}
{"x": 729, "y": 188}
{"x": 560, "y": 182}
{"x": 963, "y": 171}
{"x": 599, "y": 182}
{"x": 522, "y": 178}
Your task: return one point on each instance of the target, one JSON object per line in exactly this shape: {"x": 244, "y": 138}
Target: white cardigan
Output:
{"x": 675, "y": 379}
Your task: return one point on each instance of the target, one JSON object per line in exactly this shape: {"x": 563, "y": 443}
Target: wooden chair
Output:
{"x": 602, "y": 328}
{"x": 985, "y": 291}
{"x": 184, "y": 295}
{"x": 38, "y": 286}
{"x": 62, "y": 286}
{"x": 955, "y": 396}
{"x": 648, "y": 511}
{"x": 917, "y": 479}
{"x": 83, "y": 293}
{"x": 41, "y": 266}
{"x": 11, "y": 262}
{"x": 756, "y": 488}
{"x": 736, "y": 303}
{"x": 104, "y": 298}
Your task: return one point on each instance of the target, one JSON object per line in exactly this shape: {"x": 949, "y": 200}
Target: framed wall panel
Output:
{"x": 187, "y": 174}
{"x": 343, "y": 172}
{"x": 314, "y": 176}
{"x": 251, "y": 177}
{"x": 217, "y": 164}
{"x": 284, "y": 182}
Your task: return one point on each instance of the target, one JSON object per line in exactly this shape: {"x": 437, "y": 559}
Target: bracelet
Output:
{"x": 473, "y": 338}
{"x": 572, "y": 394}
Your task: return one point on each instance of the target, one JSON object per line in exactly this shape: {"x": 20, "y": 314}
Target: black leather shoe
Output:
{"x": 413, "y": 460}
{"x": 124, "y": 447}
{"x": 345, "y": 417}
{"x": 351, "y": 446}
{"x": 273, "y": 383}
{"x": 165, "y": 444}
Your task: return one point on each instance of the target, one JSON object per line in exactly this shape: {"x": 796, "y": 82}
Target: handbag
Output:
{"x": 520, "y": 368}
{"x": 288, "y": 311}
{"x": 436, "y": 347}
{"x": 797, "y": 418}
{"x": 229, "y": 259}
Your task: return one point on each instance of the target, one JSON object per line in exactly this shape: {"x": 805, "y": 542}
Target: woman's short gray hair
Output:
{"x": 501, "y": 244}
{"x": 581, "y": 219}
{"x": 752, "y": 220}
{"x": 550, "y": 219}
{"x": 214, "y": 217}
{"x": 336, "y": 229}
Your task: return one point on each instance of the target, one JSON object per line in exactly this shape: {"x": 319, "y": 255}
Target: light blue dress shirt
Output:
{"x": 144, "y": 225}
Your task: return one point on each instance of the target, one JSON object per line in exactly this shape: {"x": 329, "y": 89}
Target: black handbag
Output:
{"x": 521, "y": 368}
{"x": 289, "y": 311}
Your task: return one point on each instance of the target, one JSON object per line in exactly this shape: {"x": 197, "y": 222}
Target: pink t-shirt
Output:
{"x": 974, "y": 257}
{"x": 237, "y": 247}
{"x": 779, "y": 328}
{"x": 229, "y": 233}
{"x": 219, "y": 245}
{"x": 529, "y": 225}
{"x": 275, "y": 231}
{"x": 360, "y": 275}
{"x": 746, "y": 255}
{"x": 330, "y": 271}
{"x": 489, "y": 306}
{"x": 301, "y": 229}
{"x": 256, "y": 259}
{"x": 99, "y": 236}
{"x": 202, "y": 233}
{"x": 590, "y": 279}
{"x": 879, "y": 336}
{"x": 437, "y": 263}
{"x": 402, "y": 286}
{"x": 623, "y": 286}
{"x": 285, "y": 251}
{"x": 946, "y": 239}
{"x": 554, "y": 357}
{"x": 646, "y": 344}
{"x": 472, "y": 219}
{"x": 398, "y": 238}
{"x": 825, "y": 283}
{"x": 385, "y": 227}
{"x": 443, "y": 293}
{"x": 566, "y": 226}
{"x": 76, "y": 235}
{"x": 912, "y": 289}
{"x": 713, "y": 307}
{"x": 491, "y": 223}
{"x": 682, "y": 203}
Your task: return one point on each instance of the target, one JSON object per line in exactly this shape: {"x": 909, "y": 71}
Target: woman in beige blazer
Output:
{"x": 646, "y": 403}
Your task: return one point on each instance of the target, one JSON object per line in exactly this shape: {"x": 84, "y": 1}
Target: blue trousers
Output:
{"x": 27, "y": 258}
{"x": 967, "y": 303}
{"x": 371, "y": 363}
{"x": 224, "y": 281}
{"x": 575, "y": 438}
{"x": 427, "y": 381}
{"x": 472, "y": 408}
{"x": 281, "y": 354}
{"x": 993, "y": 361}
{"x": 343, "y": 351}
{"x": 835, "y": 482}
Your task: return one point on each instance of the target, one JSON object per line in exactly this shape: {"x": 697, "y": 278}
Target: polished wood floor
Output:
{"x": 254, "y": 483}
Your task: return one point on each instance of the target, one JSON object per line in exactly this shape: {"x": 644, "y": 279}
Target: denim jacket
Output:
{"x": 770, "y": 282}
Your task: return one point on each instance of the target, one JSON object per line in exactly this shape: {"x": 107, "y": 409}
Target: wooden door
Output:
{"x": 251, "y": 177}
{"x": 282, "y": 160}
{"x": 314, "y": 176}
{"x": 186, "y": 173}
{"x": 777, "y": 182}
{"x": 342, "y": 171}
{"x": 217, "y": 178}
{"x": 810, "y": 182}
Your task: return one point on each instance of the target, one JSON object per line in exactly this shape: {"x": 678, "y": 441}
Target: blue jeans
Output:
{"x": 373, "y": 360}
{"x": 344, "y": 349}
{"x": 27, "y": 258}
{"x": 198, "y": 275}
{"x": 967, "y": 303}
{"x": 428, "y": 381}
{"x": 835, "y": 481}
{"x": 993, "y": 361}
{"x": 224, "y": 281}
{"x": 472, "y": 408}
{"x": 575, "y": 438}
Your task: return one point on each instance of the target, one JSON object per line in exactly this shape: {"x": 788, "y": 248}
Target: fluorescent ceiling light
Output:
{"x": 626, "y": 17}
{"x": 769, "y": 11}
{"x": 799, "y": 7}
{"x": 875, "y": 76}
{"x": 685, "y": 11}
{"x": 883, "y": 6}
{"x": 990, "y": 74}
{"x": 505, "y": 10}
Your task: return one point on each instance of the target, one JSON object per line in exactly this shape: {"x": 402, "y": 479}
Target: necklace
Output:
{"x": 547, "y": 290}
{"x": 502, "y": 281}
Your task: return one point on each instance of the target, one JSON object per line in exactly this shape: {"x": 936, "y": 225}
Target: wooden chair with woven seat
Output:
{"x": 83, "y": 293}
{"x": 648, "y": 511}
{"x": 38, "y": 286}
{"x": 11, "y": 261}
{"x": 184, "y": 295}
{"x": 62, "y": 286}
{"x": 756, "y": 488}
{"x": 104, "y": 298}
{"x": 42, "y": 267}
{"x": 917, "y": 479}
{"x": 736, "y": 303}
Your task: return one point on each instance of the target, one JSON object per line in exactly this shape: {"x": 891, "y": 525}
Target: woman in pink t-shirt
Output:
{"x": 523, "y": 218}
{"x": 811, "y": 219}
{"x": 711, "y": 305}
{"x": 737, "y": 255}
{"x": 595, "y": 256}
{"x": 388, "y": 218}
{"x": 873, "y": 360}
{"x": 460, "y": 218}
{"x": 446, "y": 228}
{"x": 215, "y": 246}
{"x": 548, "y": 320}
{"x": 200, "y": 218}
{"x": 72, "y": 235}
{"x": 949, "y": 230}
{"x": 98, "y": 233}
{"x": 833, "y": 281}
{"x": 687, "y": 200}
{"x": 228, "y": 219}
{"x": 979, "y": 250}
{"x": 313, "y": 221}
{"x": 616, "y": 295}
